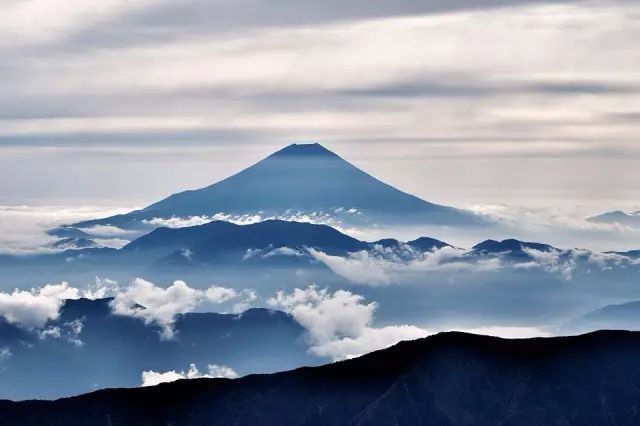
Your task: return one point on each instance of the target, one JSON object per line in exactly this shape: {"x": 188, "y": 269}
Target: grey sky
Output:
{"x": 463, "y": 102}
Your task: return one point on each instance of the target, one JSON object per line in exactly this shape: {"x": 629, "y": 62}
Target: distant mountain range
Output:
{"x": 305, "y": 178}
{"x": 446, "y": 379}
{"x": 514, "y": 249}
{"x": 89, "y": 347}
{"x": 624, "y": 316}
{"x": 272, "y": 239}
{"x": 278, "y": 243}
{"x": 266, "y": 243}
{"x": 618, "y": 217}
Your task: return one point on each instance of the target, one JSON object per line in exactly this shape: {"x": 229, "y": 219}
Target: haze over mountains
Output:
{"x": 301, "y": 178}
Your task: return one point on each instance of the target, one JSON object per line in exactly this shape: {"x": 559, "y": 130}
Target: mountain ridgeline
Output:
{"x": 299, "y": 178}
{"x": 446, "y": 379}
{"x": 90, "y": 347}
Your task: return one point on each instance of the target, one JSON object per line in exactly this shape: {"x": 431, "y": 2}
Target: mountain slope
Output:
{"x": 218, "y": 236}
{"x": 299, "y": 178}
{"x": 510, "y": 248}
{"x": 267, "y": 242}
{"x": 91, "y": 347}
{"x": 447, "y": 379}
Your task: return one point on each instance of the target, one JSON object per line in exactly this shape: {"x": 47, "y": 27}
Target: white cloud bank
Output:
{"x": 23, "y": 228}
{"x": 331, "y": 218}
{"x": 381, "y": 265}
{"x": 154, "y": 304}
{"x": 152, "y": 378}
{"x": 33, "y": 308}
{"x": 340, "y": 324}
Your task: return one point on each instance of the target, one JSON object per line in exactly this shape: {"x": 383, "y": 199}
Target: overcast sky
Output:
{"x": 118, "y": 102}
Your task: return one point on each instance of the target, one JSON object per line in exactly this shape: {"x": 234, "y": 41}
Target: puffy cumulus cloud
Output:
{"x": 554, "y": 261}
{"x": 339, "y": 324}
{"x": 152, "y": 378}
{"x": 33, "y": 308}
{"x": 157, "y": 305}
{"x": 103, "y": 287}
{"x": 370, "y": 339}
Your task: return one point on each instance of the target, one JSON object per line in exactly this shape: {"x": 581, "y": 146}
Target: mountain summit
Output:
{"x": 304, "y": 149}
{"x": 300, "y": 178}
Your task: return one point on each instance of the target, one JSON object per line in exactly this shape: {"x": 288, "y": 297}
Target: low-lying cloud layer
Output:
{"x": 32, "y": 309}
{"x": 153, "y": 304}
{"x": 340, "y": 323}
{"x": 23, "y": 229}
{"x": 384, "y": 265}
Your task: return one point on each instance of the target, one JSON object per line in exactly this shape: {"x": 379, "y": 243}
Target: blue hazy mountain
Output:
{"x": 618, "y": 217}
{"x": 625, "y": 316}
{"x": 512, "y": 248}
{"x": 300, "y": 178}
{"x": 238, "y": 253}
{"x": 116, "y": 349}
{"x": 633, "y": 254}
{"x": 427, "y": 244}
{"x": 275, "y": 240}
{"x": 219, "y": 237}
{"x": 443, "y": 380}
{"x": 74, "y": 243}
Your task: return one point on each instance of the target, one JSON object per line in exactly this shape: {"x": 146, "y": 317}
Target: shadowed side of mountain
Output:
{"x": 446, "y": 379}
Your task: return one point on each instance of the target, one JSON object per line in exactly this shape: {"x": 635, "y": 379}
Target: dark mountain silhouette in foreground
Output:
{"x": 299, "y": 178}
{"x": 447, "y": 379}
